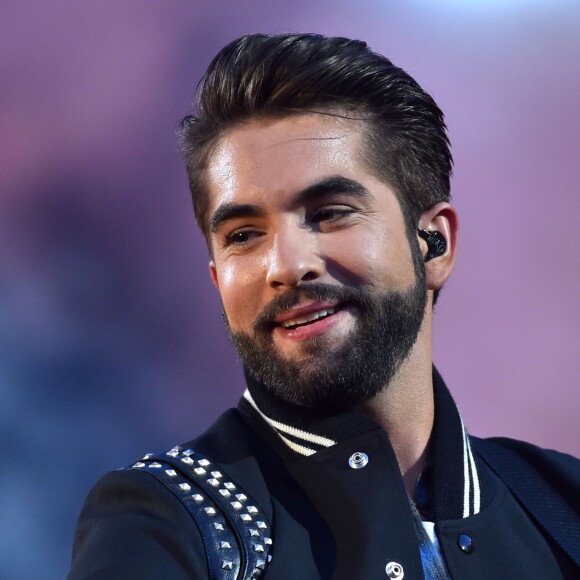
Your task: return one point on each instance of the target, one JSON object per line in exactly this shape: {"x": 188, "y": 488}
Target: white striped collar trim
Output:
{"x": 282, "y": 428}
{"x": 471, "y": 487}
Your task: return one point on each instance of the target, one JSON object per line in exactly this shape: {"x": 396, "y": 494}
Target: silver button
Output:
{"x": 395, "y": 570}
{"x": 358, "y": 460}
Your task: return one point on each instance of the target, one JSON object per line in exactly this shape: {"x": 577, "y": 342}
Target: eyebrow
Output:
{"x": 327, "y": 186}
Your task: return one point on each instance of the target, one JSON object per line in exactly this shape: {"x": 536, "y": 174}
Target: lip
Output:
{"x": 313, "y": 329}
{"x": 305, "y": 310}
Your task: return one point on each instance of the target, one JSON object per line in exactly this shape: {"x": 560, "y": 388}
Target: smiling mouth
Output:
{"x": 309, "y": 319}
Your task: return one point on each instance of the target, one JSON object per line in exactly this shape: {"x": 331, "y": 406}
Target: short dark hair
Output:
{"x": 259, "y": 76}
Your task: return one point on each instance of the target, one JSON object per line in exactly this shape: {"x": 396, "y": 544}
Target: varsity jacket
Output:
{"x": 323, "y": 497}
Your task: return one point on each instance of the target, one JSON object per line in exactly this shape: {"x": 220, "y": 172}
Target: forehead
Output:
{"x": 278, "y": 156}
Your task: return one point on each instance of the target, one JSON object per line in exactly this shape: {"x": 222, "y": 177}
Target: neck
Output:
{"x": 406, "y": 410}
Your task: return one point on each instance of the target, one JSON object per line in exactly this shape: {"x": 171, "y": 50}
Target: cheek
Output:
{"x": 240, "y": 293}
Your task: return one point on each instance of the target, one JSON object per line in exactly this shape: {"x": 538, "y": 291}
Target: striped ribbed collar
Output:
{"x": 460, "y": 486}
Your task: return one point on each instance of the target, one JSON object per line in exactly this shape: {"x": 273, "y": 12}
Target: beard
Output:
{"x": 332, "y": 377}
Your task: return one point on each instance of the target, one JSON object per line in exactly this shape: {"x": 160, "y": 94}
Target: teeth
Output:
{"x": 309, "y": 318}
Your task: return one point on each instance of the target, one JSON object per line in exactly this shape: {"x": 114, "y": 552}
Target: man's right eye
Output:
{"x": 241, "y": 237}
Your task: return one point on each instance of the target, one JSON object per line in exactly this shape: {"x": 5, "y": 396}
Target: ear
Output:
{"x": 213, "y": 275}
{"x": 442, "y": 218}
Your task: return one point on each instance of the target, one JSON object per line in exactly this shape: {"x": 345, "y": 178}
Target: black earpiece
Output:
{"x": 436, "y": 244}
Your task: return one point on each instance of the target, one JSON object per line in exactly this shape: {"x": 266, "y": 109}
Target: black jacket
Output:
{"x": 329, "y": 520}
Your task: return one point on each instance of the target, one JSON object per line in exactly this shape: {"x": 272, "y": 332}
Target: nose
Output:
{"x": 293, "y": 258}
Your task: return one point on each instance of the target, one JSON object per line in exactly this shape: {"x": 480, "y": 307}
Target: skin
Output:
{"x": 268, "y": 237}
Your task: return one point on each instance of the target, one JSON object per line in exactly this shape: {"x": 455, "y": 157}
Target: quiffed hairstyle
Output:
{"x": 258, "y": 76}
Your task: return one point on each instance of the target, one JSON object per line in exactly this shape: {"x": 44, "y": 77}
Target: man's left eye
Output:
{"x": 331, "y": 213}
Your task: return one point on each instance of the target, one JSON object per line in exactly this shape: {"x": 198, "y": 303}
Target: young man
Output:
{"x": 320, "y": 178}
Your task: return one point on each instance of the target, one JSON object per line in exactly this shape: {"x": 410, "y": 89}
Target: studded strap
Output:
{"x": 234, "y": 529}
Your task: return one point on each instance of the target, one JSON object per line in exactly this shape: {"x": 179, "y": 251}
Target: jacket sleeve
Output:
{"x": 132, "y": 527}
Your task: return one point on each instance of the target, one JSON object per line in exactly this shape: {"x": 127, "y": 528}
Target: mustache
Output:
{"x": 314, "y": 291}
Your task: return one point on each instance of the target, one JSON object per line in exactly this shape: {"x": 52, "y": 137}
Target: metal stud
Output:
{"x": 217, "y": 474}
{"x": 227, "y": 564}
{"x": 197, "y": 497}
{"x": 139, "y": 464}
{"x": 258, "y": 548}
{"x": 394, "y": 571}
{"x": 184, "y": 487}
{"x": 199, "y": 471}
{"x": 229, "y": 485}
{"x": 225, "y": 545}
{"x": 213, "y": 482}
{"x": 188, "y": 452}
{"x": 269, "y": 557}
{"x": 260, "y": 564}
{"x": 187, "y": 460}
{"x": 219, "y": 527}
{"x": 173, "y": 452}
{"x": 245, "y": 518}
{"x": 147, "y": 456}
{"x": 358, "y": 460}
{"x": 254, "y": 532}
{"x": 262, "y": 525}
{"x": 203, "y": 462}
{"x": 171, "y": 472}
{"x": 252, "y": 509}
{"x": 209, "y": 511}
{"x": 241, "y": 496}
{"x": 155, "y": 465}
{"x": 225, "y": 493}
{"x": 268, "y": 541}
{"x": 236, "y": 505}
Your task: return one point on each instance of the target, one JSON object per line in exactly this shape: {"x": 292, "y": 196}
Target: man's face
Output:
{"x": 312, "y": 260}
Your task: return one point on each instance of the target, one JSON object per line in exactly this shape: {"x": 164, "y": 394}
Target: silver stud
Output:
{"x": 184, "y": 486}
{"x": 171, "y": 472}
{"x": 262, "y": 525}
{"x": 213, "y": 482}
{"x": 236, "y": 505}
{"x": 260, "y": 564}
{"x": 227, "y": 565}
{"x": 268, "y": 541}
{"x": 147, "y": 456}
{"x": 395, "y": 571}
{"x": 241, "y": 496}
{"x": 258, "y": 548}
{"x": 203, "y": 462}
{"x": 219, "y": 527}
{"x": 217, "y": 474}
{"x": 173, "y": 452}
{"x": 199, "y": 471}
{"x": 187, "y": 460}
{"x": 245, "y": 518}
{"x": 229, "y": 485}
{"x": 139, "y": 464}
{"x": 209, "y": 511}
{"x": 254, "y": 532}
{"x": 197, "y": 497}
{"x": 358, "y": 460}
{"x": 269, "y": 557}
{"x": 252, "y": 509}
{"x": 188, "y": 452}
{"x": 155, "y": 465}
{"x": 225, "y": 493}
{"x": 225, "y": 545}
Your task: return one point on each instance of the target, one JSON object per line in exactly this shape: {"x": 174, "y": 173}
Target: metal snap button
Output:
{"x": 395, "y": 571}
{"x": 465, "y": 543}
{"x": 358, "y": 460}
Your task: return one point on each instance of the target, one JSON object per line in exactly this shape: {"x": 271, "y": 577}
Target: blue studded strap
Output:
{"x": 234, "y": 529}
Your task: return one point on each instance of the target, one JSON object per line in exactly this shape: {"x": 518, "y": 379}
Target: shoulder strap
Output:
{"x": 534, "y": 493}
{"x": 234, "y": 529}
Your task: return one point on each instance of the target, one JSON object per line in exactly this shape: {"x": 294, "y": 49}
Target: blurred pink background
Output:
{"x": 111, "y": 342}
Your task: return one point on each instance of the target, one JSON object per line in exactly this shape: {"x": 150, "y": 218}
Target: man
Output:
{"x": 320, "y": 178}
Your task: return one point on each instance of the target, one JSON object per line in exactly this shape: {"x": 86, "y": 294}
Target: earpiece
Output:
{"x": 436, "y": 244}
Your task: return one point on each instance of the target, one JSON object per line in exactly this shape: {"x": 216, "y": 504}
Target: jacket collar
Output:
{"x": 458, "y": 486}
